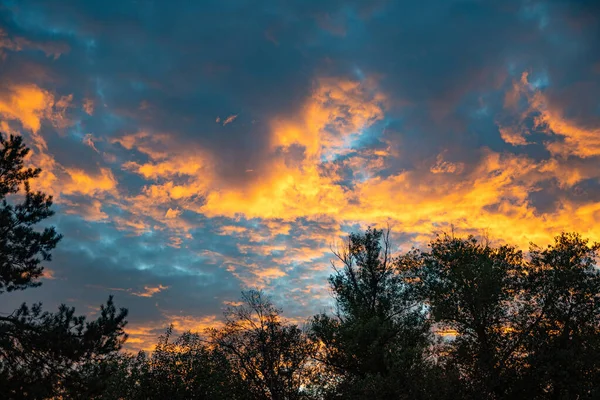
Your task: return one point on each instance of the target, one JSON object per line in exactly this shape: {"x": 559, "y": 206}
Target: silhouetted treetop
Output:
{"x": 23, "y": 247}
{"x": 41, "y": 352}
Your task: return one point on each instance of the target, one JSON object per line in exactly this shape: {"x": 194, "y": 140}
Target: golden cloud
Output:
{"x": 150, "y": 291}
{"x": 142, "y": 336}
{"x": 87, "y": 184}
{"x": 491, "y": 195}
{"x": 577, "y": 139}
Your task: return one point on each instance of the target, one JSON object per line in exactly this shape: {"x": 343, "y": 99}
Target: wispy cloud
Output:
{"x": 150, "y": 291}
{"x": 229, "y": 119}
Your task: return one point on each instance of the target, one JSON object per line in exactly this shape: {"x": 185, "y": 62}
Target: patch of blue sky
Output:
{"x": 539, "y": 80}
{"x": 364, "y": 138}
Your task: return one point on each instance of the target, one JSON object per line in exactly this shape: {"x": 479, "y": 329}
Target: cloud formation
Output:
{"x": 197, "y": 149}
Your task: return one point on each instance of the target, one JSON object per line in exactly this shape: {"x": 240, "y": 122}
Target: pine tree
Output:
{"x": 40, "y": 351}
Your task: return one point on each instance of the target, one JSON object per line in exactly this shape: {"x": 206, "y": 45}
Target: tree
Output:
{"x": 22, "y": 247}
{"x": 186, "y": 368}
{"x": 377, "y": 338}
{"x": 272, "y": 357}
{"x": 470, "y": 288}
{"x": 563, "y": 348}
{"x": 525, "y": 327}
{"x": 40, "y": 351}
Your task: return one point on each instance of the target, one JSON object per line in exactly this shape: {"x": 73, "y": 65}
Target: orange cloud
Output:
{"x": 229, "y": 119}
{"x": 168, "y": 168}
{"x": 30, "y": 106}
{"x": 88, "y": 140}
{"x": 512, "y": 135}
{"x": 171, "y": 213}
{"x": 142, "y": 336}
{"x": 88, "y": 106}
{"x": 87, "y": 184}
{"x": 285, "y": 193}
{"x": 490, "y": 195}
{"x": 150, "y": 291}
{"x": 577, "y": 139}
{"x": 232, "y": 230}
{"x": 336, "y": 110}
{"x": 88, "y": 210}
{"x": 27, "y": 104}
{"x": 166, "y": 160}
{"x": 446, "y": 167}
{"x": 152, "y": 145}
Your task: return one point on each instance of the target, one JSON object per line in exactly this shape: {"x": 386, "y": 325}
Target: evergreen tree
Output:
{"x": 40, "y": 351}
{"x": 376, "y": 340}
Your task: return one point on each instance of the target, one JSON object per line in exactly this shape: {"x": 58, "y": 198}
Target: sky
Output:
{"x": 197, "y": 149}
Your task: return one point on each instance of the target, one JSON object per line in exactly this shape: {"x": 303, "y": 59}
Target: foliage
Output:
{"x": 40, "y": 352}
{"x": 563, "y": 347}
{"x": 183, "y": 369}
{"x": 377, "y": 338}
{"x": 21, "y": 244}
{"x": 525, "y": 327}
{"x": 270, "y": 355}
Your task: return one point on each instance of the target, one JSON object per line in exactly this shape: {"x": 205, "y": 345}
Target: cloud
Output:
{"x": 336, "y": 110}
{"x": 30, "y": 104}
{"x": 293, "y": 184}
{"x": 19, "y": 43}
{"x": 512, "y": 136}
{"x": 172, "y": 213}
{"x": 89, "y": 185}
{"x": 88, "y": 106}
{"x": 143, "y": 336}
{"x": 568, "y": 136}
{"x": 349, "y": 115}
{"x": 88, "y": 210}
{"x": 229, "y": 119}
{"x": 446, "y": 167}
{"x": 150, "y": 291}
{"x": 88, "y": 139}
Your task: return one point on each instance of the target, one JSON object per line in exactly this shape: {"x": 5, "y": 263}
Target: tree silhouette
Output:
{"x": 40, "y": 351}
{"x": 470, "y": 288}
{"x": 22, "y": 247}
{"x": 525, "y": 327}
{"x": 182, "y": 369}
{"x": 377, "y": 337}
{"x": 563, "y": 348}
{"x": 270, "y": 355}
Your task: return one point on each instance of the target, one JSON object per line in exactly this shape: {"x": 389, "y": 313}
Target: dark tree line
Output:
{"x": 460, "y": 319}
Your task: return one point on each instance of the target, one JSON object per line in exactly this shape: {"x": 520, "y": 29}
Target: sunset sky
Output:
{"x": 197, "y": 148}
